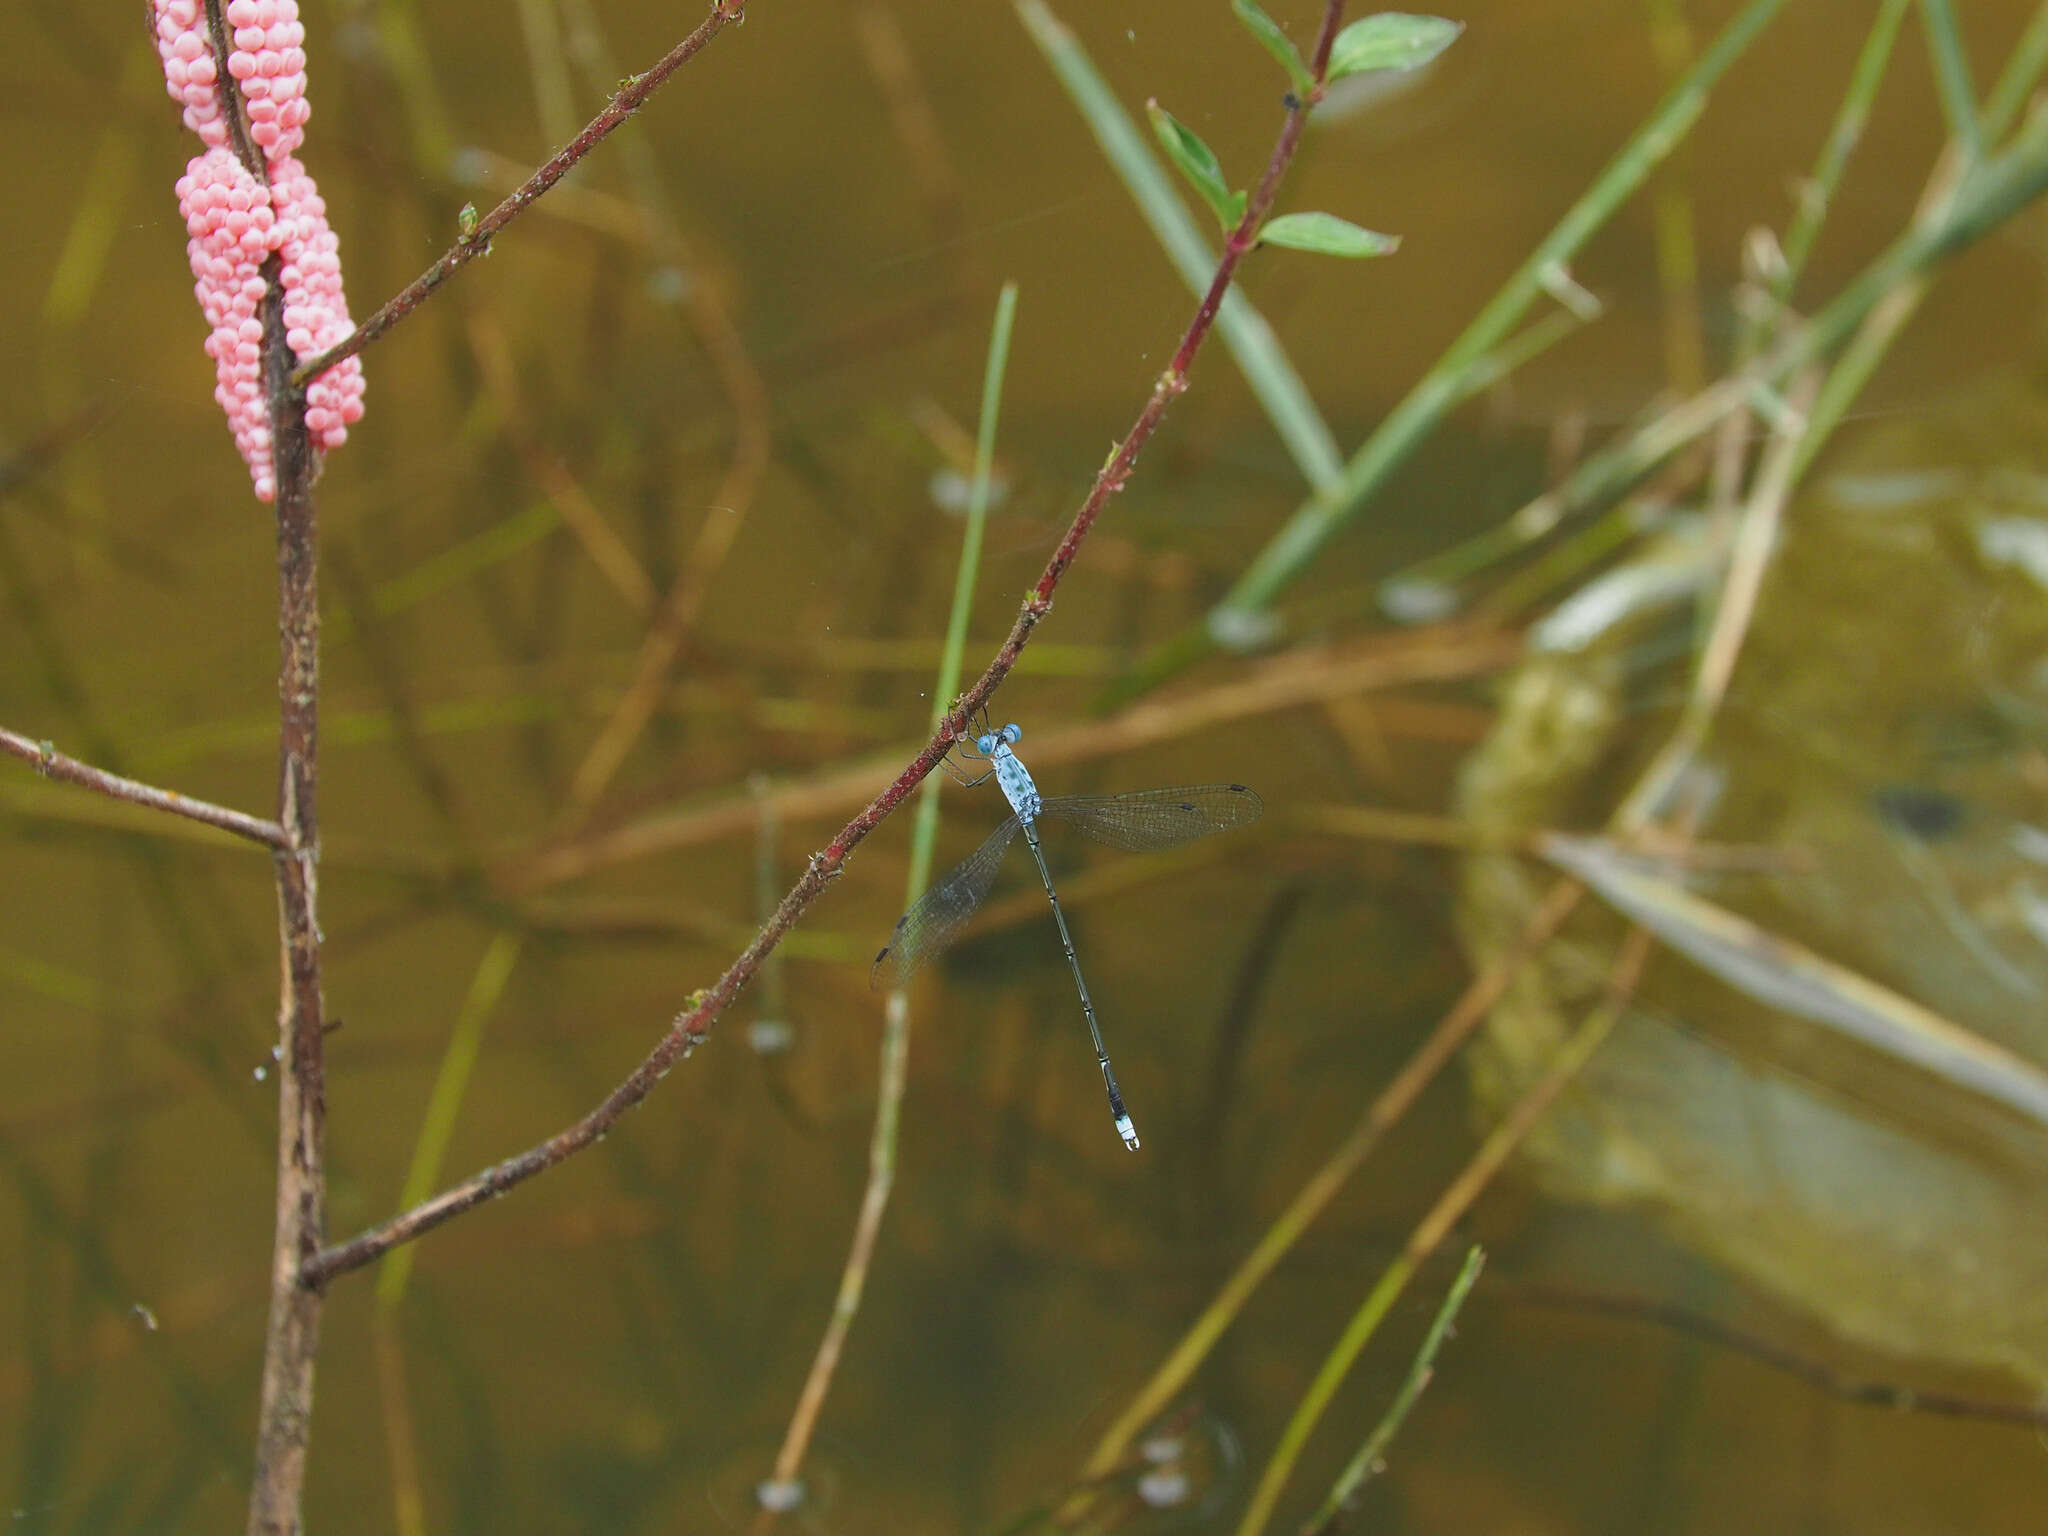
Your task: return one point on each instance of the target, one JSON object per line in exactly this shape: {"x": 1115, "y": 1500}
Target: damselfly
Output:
{"x": 1143, "y": 821}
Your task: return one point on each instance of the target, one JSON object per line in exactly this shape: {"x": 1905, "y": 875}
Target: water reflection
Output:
{"x": 1179, "y": 1475}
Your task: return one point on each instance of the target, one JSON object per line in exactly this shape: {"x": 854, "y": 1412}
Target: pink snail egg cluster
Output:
{"x": 269, "y": 62}
{"x": 234, "y": 221}
{"x": 229, "y": 219}
{"x": 190, "y": 74}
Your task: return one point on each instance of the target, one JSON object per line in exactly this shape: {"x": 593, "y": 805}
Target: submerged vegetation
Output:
{"x": 1716, "y": 741}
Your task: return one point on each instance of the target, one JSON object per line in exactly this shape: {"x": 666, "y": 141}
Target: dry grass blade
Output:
{"x": 1303, "y": 676}
{"x": 1786, "y": 975}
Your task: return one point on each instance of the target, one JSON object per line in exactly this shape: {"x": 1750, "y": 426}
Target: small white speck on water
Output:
{"x": 1164, "y": 1487}
{"x": 779, "y": 1495}
{"x": 1163, "y": 1448}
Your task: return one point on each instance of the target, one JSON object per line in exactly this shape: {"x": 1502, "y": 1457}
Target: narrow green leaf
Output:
{"x": 1325, "y": 233}
{"x": 1275, "y": 42}
{"x": 1390, "y": 40}
{"x": 1184, "y": 147}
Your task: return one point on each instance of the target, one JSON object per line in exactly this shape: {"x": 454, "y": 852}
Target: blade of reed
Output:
{"x": 437, "y": 1129}
{"x": 2022, "y": 70}
{"x": 1344, "y": 1492}
{"x": 444, "y": 1103}
{"x": 1952, "y": 77}
{"x": 924, "y": 830}
{"x": 1817, "y": 192}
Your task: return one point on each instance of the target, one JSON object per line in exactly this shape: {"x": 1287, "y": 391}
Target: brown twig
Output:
{"x": 284, "y": 1421}
{"x": 601, "y": 542}
{"x": 694, "y": 1023}
{"x": 52, "y": 764}
{"x": 292, "y": 1336}
{"x": 629, "y": 98}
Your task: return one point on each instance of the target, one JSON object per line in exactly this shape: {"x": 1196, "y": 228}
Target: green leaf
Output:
{"x": 1275, "y": 42}
{"x": 1184, "y": 147}
{"x": 1325, "y": 233}
{"x": 1390, "y": 40}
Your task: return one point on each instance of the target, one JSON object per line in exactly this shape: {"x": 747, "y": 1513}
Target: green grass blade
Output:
{"x": 444, "y": 1104}
{"x": 895, "y": 1049}
{"x": 1850, "y": 119}
{"x": 1952, "y": 77}
{"x": 1344, "y": 1492}
{"x": 924, "y": 827}
{"x": 2022, "y": 73}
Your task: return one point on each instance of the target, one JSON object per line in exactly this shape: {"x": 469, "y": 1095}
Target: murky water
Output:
{"x": 799, "y": 249}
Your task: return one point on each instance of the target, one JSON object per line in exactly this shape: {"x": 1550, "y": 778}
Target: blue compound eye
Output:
{"x": 985, "y": 743}
{"x": 1013, "y": 733}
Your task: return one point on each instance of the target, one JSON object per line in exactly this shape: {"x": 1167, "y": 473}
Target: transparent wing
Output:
{"x": 927, "y": 927}
{"x": 1152, "y": 820}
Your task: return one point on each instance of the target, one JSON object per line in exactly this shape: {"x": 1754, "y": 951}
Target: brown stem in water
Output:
{"x": 284, "y": 1421}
